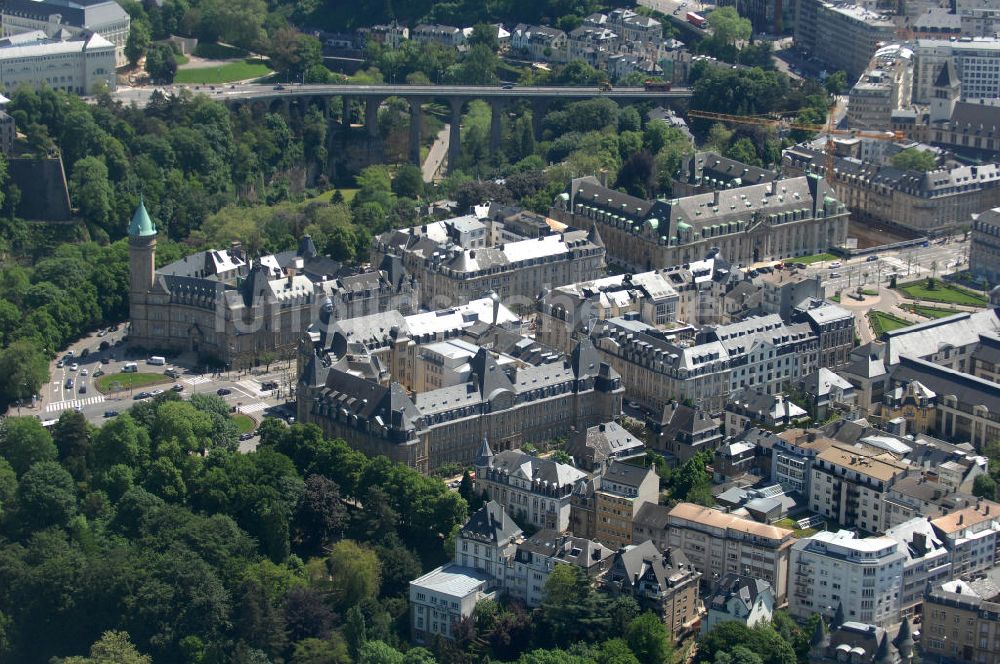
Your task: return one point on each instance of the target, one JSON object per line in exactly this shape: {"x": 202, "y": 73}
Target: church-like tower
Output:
{"x": 141, "y": 273}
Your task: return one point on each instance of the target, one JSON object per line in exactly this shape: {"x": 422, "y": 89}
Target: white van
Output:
{"x": 157, "y": 360}
{"x": 130, "y": 367}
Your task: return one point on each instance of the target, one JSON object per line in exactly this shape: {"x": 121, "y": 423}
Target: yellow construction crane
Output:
{"x": 828, "y": 129}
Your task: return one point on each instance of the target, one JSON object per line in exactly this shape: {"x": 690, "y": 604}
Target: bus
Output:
{"x": 696, "y": 19}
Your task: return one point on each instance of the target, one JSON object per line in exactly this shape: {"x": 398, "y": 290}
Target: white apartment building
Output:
{"x": 977, "y": 61}
{"x": 442, "y": 598}
{"x": 833, "y": 569}
{"x": 487, "y": 543}
{"x": 972, "y": 535}
{"x": 105, "y": 17}
{"x": 717, "y": 544}
{"x": 926, "y": 561}
{"x": 76, "y": 65}
{"x": 849, "y": 485}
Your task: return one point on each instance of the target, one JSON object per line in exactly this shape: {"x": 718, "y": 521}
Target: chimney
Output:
{"x": 715, "y": 198}
{"x": 235, "y": 249}
{"x": 961, "y": 519}
{"x": 602, "y": 176}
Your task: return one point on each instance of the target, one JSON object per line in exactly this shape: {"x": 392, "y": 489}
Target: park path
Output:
{"x": 437, "y": 154}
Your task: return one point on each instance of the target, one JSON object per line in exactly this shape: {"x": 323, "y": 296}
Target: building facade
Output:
{"x": 461, "y": 259}
{"x": 839, "y": 569}
{"x": 79, "y": 64}
{"x": 841, "y": 35}
{"x": 664, "y": 582}
{"x": 792, "y": 217}
{"x": 232, "y": 311}
{"x": 104, "y": 17}
{"x": 972, "y": 536}
{"x": 962, "y": 622}
{"x": 975, "y": 59}
{"x": 718, "y": 544}
{"x": 538, "y": 490}
{"x": 984, "y": 250}
{"x": 850, "y": 486}
{"x": 740, "y": 598}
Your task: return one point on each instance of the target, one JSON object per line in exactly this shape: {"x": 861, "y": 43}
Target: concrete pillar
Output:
{"x": 416, "y": 122}
{"x": 455, "y": 134}
{"x": 371, "y": 115}
{"x": 538, "y": 110}
{"x": 496, "y": 128}
{"x": 346, "y": 119}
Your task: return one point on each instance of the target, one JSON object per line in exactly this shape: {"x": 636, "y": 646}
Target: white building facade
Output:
{"x": 832, "y": 569}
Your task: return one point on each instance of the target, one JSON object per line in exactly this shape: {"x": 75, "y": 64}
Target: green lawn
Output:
{"x": 883, "y": 322}
{"x": 244, "y": 423}
{"x": 122, "y": 381}
{"x": 181, "y": 59}
{"x": 211, "y": 51}
{"x": 835, "y": 298}
{"x": 929, "y": 312}
{"x": 815, "y": 258}
{"x": 325, "y": 197}
{"x": 868, "y": 292}
{"x": 943, "y": 292}
{"x": 791, "y": 524}
{"x": 232, "y": 71}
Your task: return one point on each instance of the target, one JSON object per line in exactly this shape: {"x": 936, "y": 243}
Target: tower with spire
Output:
{"x": 141, "y": 272}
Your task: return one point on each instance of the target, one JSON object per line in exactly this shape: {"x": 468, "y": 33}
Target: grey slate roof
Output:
{"x": 744, "y": 588}
{"x": 491, "y": 524}
{"x": 969, "y": 390}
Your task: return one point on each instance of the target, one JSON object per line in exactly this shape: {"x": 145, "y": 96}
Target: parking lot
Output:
{"x": 72, "y": 375}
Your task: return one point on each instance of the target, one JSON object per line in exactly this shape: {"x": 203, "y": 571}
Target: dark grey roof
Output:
{"x": 969, "y": 114}
{"x": 643, "y": 563}
{"x": 948, "y": 76}
{"x": 566, "y": 548}
{"x": 744, "y": 588}
{"x": 969, "y": 390}
{"x": 491, "y": 524}
{"x": 652, "y": 516}
{"x": 535, "y": 469}
{"x": 626, "y": 473}
{"x": 78, "y": 13}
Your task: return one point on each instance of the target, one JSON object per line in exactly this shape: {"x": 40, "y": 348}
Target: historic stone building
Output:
{"x": 778, "y": 219}
{"x": 360, "y": 381}
{"x": 233, "y": 310}
{"x": 461, "y": 259}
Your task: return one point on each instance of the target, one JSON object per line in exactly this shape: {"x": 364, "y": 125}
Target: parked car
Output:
{"x": 177, "y": 387}
{"x": 246, "y": 436}
{"x": 171, "y": 373}
{"x": 60, "y": 364}
{"x": 835, "y": 275}
{"x": 111, "y": 413}
{"x": 872, "y": 258}
{"x": 223, "y": 391}
{"x": 142, "y": 395}
{"x": 269, "y": 385}
{"x": 98, "y": 373}
{"x": 105, "y": 360}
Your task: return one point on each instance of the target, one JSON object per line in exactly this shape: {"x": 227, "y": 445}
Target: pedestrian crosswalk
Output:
{"x": 197, "y": 380}
{"x": 60, "y": 406}
{"x": 252, "y": 408}
{"x": 251, "y": 386}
